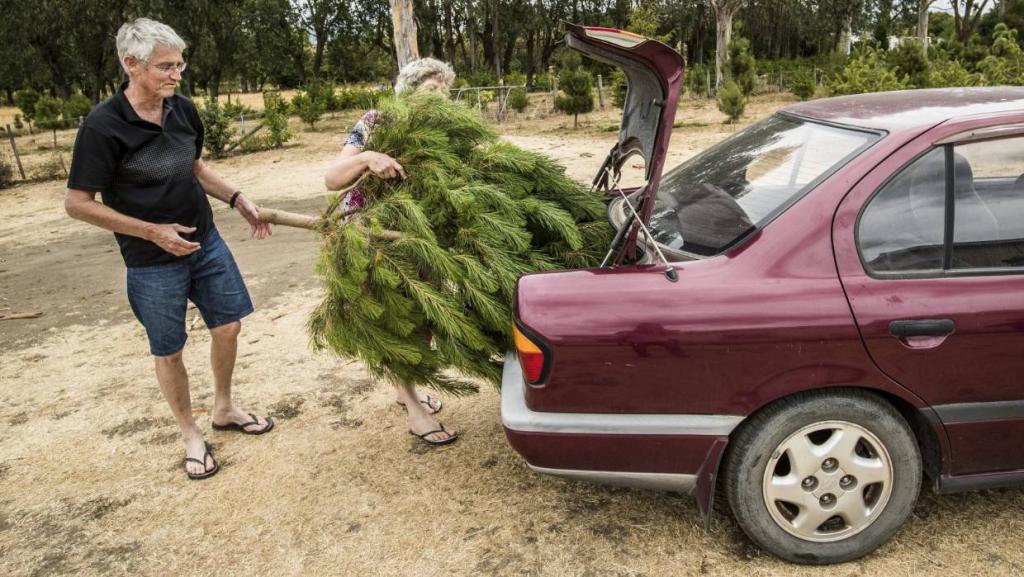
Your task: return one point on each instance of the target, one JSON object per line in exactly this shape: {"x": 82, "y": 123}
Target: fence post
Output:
{"x": 14, "y": 147}
{"x": 600, "y": 91}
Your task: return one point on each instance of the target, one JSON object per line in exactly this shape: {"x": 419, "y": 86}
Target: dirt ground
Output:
{"x": 90, "y": 460}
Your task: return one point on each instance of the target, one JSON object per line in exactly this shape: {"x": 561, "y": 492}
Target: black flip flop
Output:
{"x": 207, "y": 473}
{"x": 426, "y": 403}
{"x": 451, "y": 438}
{"x": 242, "y": 427}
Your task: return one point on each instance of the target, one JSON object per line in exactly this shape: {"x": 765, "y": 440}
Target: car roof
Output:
{"x": 908, "y": 109}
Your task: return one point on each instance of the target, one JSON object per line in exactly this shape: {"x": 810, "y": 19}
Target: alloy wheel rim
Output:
{"x": 828, "y": 481}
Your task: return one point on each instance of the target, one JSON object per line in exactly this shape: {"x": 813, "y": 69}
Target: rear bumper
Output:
{"x": 658, "y": 451}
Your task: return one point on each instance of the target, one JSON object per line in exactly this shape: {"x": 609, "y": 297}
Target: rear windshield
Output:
{"x": 711, "y": 201}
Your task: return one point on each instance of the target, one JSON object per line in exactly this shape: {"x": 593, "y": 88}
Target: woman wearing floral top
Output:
{"x": 353, "y": 162}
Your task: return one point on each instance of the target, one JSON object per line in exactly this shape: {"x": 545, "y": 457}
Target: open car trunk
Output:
{"x": 655, "y": 74}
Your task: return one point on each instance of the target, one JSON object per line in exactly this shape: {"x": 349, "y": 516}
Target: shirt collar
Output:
{"x": 128, "y": 111}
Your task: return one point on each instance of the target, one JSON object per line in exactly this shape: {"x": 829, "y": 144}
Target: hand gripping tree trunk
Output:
{"x": 404, "y": 24}
{"x": 724, "y": 12}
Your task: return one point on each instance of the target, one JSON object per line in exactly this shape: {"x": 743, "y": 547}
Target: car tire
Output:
{"x": 868, "y": 475}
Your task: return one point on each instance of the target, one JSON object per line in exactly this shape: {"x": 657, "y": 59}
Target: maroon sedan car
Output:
{"x": 813, "y": 316}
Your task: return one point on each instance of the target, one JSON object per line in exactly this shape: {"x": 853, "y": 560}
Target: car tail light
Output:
{"x": 531, "y": 357}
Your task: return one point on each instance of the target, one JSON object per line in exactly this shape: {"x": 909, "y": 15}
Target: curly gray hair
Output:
{"x": 418, "y": 71}
{"x": 141, "y": 36}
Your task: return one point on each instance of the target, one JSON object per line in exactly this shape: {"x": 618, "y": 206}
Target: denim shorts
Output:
{"x": 209, "y": 278}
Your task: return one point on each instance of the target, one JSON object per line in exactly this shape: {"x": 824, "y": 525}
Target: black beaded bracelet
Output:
{"x": 234, "y": 197}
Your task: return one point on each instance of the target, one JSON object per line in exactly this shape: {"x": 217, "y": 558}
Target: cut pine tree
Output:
{"x": 419, "y": 284}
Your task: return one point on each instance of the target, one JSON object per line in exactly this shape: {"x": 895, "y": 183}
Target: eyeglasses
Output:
{"x": 168, "y": 68}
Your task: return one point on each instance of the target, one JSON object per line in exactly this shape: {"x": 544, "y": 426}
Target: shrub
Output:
{"x": 308, "y": 107}
{"x": 731, "y": 100}
{"x": 17, "y": 122}
{"x": 275, "y": 118}
{"x": 77, "y": 107}
{"x": 216, "y": 126}
{"x": 516, "y": 99}
{"x": 235, "y": 109}
{"x": 802, "y": 84}
{"x": 910, "y": 63}
{"x": 359, "y": 98}
{"x": 865, "y": 73}
{"x": 947, "y": 73}
{"x": 47, "y": 112}
{"x": 620, "y": 87}
{"x": 576, "y": 89}
{"x": 26, "y": 100}
{"x": 6, "y": 173}
{"x": 1005, "y": 64}
{"x": 697, "y": 80}
{"x": 741, "y": 66}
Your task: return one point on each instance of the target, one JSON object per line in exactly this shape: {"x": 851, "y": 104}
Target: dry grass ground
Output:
{"x": 90, "y": 459}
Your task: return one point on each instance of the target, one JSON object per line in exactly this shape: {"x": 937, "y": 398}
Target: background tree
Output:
{"x": 741, "y": 65}
{"x": 725, "y": 10}
{"x": 576, "y": 88}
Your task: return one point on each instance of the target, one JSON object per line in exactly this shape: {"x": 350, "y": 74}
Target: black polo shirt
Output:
{"x": 144, "y": 170}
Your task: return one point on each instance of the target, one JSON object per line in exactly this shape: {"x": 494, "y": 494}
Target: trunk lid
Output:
{"x": 655, "y": 74}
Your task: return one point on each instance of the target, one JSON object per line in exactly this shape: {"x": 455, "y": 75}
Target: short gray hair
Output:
{"x": 141, "y": 36}
{"x": 416, "y": 72}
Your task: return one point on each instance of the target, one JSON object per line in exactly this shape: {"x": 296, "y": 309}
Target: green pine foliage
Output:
{"x": 517, "y": 99}
{"x": 216, "y": 126}
{"x": 697, "y": 81}
{"x": 741, "y": 66}
{"x": 47, "y": 112}
{"x": 620, "y": 87}
{"x": 308, "y": 107}
{"x": 731, "y": 100}
{"x": 802, "y": 84}
{"x": 576, "y": 87}
{"x": 951, "y": 73}
{"x": 77, "y": 107}
{"x": 865, "y": 72}
{"x": 474, "y": 214}
{"x": 910, "y": 64}
{"x": 275, "y": 118}
{"x": 26, "y": 100}
{"x": 1005, "y": 64}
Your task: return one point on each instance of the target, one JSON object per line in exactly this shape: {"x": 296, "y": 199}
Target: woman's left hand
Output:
{"x": 251, "y": 213}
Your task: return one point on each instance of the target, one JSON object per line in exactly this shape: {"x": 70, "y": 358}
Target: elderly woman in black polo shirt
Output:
{"x": 141, "y": 151}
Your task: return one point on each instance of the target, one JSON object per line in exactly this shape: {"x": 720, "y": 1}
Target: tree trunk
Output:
{"x": 497, "y": 41}
{"x": 922, "y": 22}
{"x": 404, "y": 26}
{"x": 846, "y": 36}
{"x": 724, "y": 12}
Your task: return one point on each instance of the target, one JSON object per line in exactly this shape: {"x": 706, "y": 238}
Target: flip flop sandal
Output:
{"x": 207, "y": 473}
{"x": 451, "y": 438}
{"x": 426, "y": 403}
{"x": 242, "y": 427}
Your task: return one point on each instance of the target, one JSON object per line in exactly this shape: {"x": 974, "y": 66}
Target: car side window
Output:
{"x": 901, "y": 230}
{"x": 988, "y": 230}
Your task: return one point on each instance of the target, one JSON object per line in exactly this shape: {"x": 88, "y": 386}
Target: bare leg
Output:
{"x": 431, "y": 403}
{"x": 173, "y": 379}
{"x": 223, "y": 351}
{"x": 420, "y": 421}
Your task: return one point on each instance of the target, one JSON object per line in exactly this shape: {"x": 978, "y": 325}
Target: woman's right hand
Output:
{"x": 383, "y": 166}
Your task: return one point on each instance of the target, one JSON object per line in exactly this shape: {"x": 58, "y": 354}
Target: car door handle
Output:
{"x": 922, "y": 328}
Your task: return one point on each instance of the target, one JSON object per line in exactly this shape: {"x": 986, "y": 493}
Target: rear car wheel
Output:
{"x": 823, "y": 477}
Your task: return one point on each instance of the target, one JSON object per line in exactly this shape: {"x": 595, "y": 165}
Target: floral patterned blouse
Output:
{"x": 357, "y": 137}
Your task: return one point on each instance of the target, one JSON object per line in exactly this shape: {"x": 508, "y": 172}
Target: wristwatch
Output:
{"x": 234, "y": 197}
